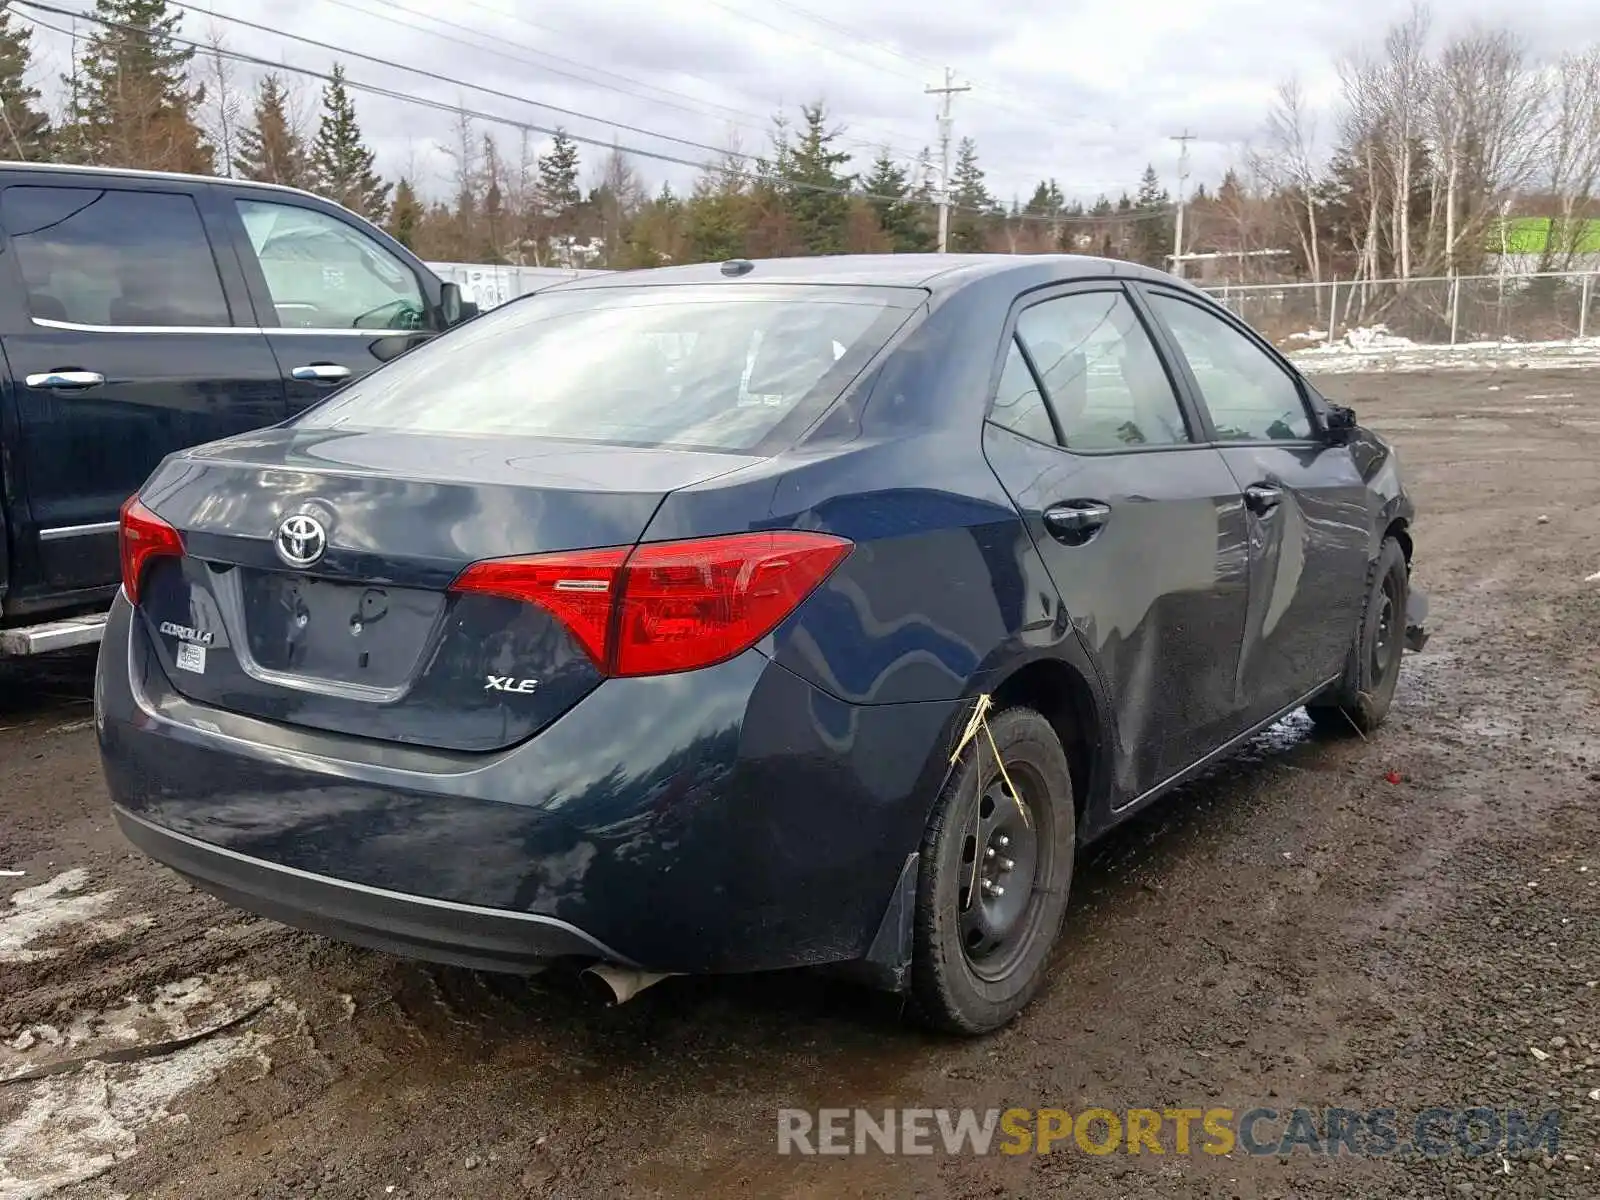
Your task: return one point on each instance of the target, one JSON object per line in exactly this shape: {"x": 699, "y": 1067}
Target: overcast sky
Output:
{"x": 1083, "y": 90}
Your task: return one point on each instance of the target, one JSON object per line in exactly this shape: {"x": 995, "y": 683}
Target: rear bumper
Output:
{"x": 730, "y": 819}
{"x": 462, "y": 935}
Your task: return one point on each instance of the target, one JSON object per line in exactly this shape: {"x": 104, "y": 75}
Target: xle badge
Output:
{"x": 505, "y": 683}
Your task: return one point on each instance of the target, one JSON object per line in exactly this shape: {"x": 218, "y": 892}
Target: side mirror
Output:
{"x": 1341, "y": 422}
{"x": 450, "y": 303}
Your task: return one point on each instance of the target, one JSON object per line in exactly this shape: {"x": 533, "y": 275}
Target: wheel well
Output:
{"x": 1400, "y": 532}
{"x": 1059, "y": 694}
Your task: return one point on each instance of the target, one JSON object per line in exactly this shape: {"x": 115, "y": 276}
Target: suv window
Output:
{"x": 100, "y": 256}
{"x": 1101, "y": 373}
{"x": 1251, "y": 398}
{"x": 323, "y": 274}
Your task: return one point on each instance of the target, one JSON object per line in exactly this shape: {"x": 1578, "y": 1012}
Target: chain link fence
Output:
{"x": 1555, "y": 306}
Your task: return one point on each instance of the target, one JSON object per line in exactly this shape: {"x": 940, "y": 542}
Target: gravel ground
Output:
{"x": 1394, "y": 923}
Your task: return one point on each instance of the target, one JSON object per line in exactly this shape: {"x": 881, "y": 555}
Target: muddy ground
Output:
{"x": 1295, "y": 930}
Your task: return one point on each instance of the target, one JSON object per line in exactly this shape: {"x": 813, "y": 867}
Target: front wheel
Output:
{"x": 1364, "y": 694}
{"x": 995, "y": 871}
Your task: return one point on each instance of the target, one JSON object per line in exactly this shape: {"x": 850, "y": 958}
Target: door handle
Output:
{"x": 321, "y": 373}
{"x": 1262, "y": 498}
{"x": 66, "y": 381}
{"x": 1076, "y": 521}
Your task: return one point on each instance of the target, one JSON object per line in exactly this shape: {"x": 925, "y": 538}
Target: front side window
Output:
{"x": 1251, "y": 398}
{"x": 1101, "y": 373}
{"x": 682, "y": 365}
{"x": 104, "y": 256}
{"x": 324, "y": 274}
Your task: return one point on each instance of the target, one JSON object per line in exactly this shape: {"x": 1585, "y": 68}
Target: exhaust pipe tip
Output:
{"x": 617, "y": 985}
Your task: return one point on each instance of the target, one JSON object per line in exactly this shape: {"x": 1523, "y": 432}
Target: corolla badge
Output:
{"x": 301, "y": 540}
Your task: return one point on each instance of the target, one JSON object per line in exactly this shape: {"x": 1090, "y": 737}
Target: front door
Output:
{"x": 335, "y": 303}
{"x": 1310, "y": 516}
{"x": 129, "y": 336}
{"x": 1140, "y": 526}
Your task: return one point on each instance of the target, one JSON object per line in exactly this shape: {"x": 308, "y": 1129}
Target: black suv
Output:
{"x": 141, "y": 313}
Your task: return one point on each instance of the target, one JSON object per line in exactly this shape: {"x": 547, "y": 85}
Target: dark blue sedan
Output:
{"x": 740, "y": 617}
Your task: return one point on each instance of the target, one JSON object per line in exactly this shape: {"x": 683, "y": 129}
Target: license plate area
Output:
{"x": 347, "y": 632}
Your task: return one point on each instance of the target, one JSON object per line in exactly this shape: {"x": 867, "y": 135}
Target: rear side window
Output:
{"x": 102, "y": 256}
{"x": 1101, "y": 373}
{"x": 693, "y": 366}
{"x": 1018, "y": 405}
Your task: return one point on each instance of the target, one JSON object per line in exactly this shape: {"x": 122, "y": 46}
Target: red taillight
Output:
{"x": 143, "y": 536}
{"x": 578, "y": 588}
{"x": 667, "y": 606}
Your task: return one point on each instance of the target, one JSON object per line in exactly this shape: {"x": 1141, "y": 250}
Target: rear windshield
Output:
{"x": 692, "y": 366}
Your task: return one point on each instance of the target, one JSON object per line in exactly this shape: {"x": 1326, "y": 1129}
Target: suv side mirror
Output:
{"x": 451, "y": 305}
{"x": 1341, "y": 421}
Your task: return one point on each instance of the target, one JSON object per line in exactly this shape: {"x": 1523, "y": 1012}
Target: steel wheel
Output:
{"x": 1006, "y": 864}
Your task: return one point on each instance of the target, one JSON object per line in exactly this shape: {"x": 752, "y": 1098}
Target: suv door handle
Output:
{"x": 1262, "y": 498}
{"x": 66, "y": 381}
{"x": 1076, "y": 521}
{"x": 321, "y": 373}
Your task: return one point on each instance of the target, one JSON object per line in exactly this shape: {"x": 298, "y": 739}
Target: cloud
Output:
{"x": 1080, "y": 90}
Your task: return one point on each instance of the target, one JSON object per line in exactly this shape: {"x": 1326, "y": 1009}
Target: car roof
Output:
{"x": 8, "y": 166}
{"x": 935, "y": 272}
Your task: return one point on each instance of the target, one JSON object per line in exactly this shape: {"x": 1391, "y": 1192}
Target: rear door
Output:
{"x": 129, "y": 335}
{"x": 1310, "y": 513}
{"x": 336, "y": 300}
{"x": 1139, "y": 523}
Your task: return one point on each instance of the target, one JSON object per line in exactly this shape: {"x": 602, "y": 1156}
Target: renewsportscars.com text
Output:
{"x": 1261, "y": 1131}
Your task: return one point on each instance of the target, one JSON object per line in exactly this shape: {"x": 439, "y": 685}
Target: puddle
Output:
{"x": 50, "y": 909}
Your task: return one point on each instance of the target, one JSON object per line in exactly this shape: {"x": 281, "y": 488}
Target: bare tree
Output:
{"x": 619, "y": 194}
{"x": 1406, "y": 89}
{"x": 1488, "y": 126}
{"x": 1291, "y": 164}
{"x": 1570, "y": 158}
{"x": 224, "y": 104}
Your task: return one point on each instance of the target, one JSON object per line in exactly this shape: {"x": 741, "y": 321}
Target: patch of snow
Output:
{"x": 54, "y": 906}
{"x": 1310, "y": 335}
{"x": 1375, "y": 354}
{"x": 73, "y": 1127}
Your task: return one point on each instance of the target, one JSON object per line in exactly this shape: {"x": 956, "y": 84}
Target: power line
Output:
{"x": 868, "y": 142}
{"x": 717, "y": 165}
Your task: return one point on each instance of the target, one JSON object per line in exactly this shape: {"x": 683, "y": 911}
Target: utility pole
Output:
{"x": 1183, "y": 139}
{"x": 947, "y": 91}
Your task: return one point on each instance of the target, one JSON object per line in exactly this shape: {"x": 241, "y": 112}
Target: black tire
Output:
{"x": 966, "y": 976}
{"x": 1362, "y": 697}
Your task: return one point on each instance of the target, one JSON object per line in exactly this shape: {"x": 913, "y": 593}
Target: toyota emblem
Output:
{"x": 301, "y": 540}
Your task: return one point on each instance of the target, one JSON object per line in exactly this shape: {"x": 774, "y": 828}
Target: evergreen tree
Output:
{"x": 1152, "y": 232}
{"x": 341, "y": 164}
{"x": 405, "y": 214}
{"x": 558, "y": 181}
{"x": 974, "y": 206}
{"x": 1047, "y": 200}
{"x": 889, "y": 193}
{"x": 131, "y": 101}
{"x": 271, "y": 150}
{"x": 24, "y": 128}
{"x": 816, "y": 186}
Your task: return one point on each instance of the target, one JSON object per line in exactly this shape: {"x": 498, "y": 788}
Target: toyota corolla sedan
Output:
{"x": 747, "y": 616}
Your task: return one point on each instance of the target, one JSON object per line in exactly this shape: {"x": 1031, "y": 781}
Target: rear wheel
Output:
{"x": 995, "y": 871}
{"x": 1364, "y": 694}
